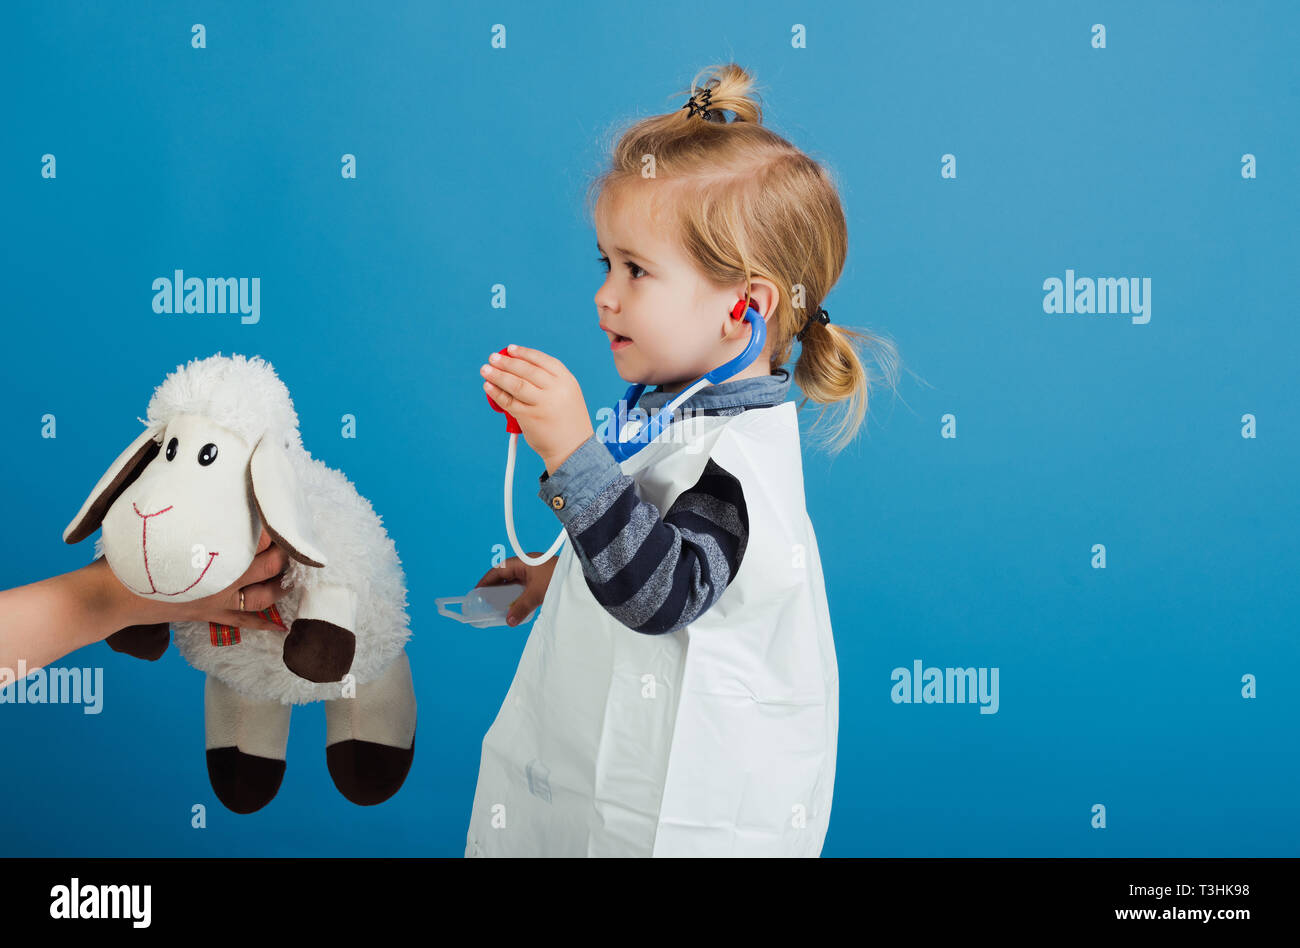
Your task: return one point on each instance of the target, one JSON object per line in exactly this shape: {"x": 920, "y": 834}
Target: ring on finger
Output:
{"x": 241, "y": 600}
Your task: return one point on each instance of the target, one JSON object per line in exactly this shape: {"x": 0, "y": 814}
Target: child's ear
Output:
{"x": 762, "y": 296}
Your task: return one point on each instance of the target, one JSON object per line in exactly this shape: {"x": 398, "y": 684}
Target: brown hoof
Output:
{"x": 319, "y": 651}
{"x": 141, "y": 641}
{"x": 242, "y": 782}
{"x": 368, "y": 773}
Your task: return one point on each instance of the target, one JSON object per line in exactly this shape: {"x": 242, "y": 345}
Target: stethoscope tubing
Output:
{"x": 510, "y": 516}
{"x": 648, "y": 432}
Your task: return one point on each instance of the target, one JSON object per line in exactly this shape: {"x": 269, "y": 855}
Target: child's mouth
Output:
{"x": 619, "y": 342}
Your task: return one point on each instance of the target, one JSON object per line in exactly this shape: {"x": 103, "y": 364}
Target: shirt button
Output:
{"x": 557, "y": 502}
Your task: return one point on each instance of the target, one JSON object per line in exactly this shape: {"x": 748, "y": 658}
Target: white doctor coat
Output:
{"x": 718, "y": 739}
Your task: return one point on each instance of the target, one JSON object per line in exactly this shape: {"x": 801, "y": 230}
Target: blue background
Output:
{"x": 1119, "y": 686}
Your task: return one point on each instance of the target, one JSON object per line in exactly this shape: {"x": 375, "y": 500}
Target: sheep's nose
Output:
{"x": 143, "y": 512}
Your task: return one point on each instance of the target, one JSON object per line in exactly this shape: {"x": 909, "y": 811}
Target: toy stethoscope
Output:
{"x": 630, "y": 436}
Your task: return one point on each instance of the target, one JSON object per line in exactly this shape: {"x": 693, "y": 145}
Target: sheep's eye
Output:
{"x": 171, "y": 449}
{"x": 208, "y": 454}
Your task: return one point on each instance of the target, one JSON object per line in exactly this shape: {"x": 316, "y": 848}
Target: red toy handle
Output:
{"x": 512, "y": 426}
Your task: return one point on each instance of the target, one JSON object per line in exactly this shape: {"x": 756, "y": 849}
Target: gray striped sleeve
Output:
{"x": 653, "y": 574}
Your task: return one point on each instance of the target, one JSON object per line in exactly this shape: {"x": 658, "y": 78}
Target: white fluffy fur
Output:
{"x": 242, "y": 395}
{"x": 246, "y": 397}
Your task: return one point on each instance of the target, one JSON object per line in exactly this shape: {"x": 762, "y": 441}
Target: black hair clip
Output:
{"x": 701, "y": 108}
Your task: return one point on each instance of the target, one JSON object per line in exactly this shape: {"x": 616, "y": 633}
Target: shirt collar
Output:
{"x": 755, "y": 392}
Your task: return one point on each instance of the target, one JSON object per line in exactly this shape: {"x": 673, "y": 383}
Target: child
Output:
{"x": 679, "y": 694}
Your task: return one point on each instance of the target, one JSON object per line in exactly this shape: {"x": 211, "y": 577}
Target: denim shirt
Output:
{"x": 590, "y": 468}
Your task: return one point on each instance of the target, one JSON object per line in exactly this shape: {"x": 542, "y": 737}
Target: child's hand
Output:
{"x": 535, "y": 580}
{"x": 545, "y": 399}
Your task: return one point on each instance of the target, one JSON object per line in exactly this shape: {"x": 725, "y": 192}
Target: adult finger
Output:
{"x": 270, "y": 562}
{"x": 261, "y": 595}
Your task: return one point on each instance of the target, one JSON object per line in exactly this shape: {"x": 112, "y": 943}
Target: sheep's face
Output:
{"x": 187, "y": 527}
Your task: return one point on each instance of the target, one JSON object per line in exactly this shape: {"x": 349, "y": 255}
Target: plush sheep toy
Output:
{"x": 182, "y": 509}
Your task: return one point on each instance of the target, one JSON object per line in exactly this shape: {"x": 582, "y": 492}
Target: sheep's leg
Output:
{"x": 370, "y": 739}
{"x": 246, "y": 742}
{"x": 321, "y": 644}
{"x": 141, "y": 641}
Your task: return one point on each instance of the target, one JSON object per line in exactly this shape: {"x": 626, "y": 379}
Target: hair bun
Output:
{"x": 726, "y": 88}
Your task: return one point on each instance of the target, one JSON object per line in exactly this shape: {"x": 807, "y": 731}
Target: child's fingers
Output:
{"x": 520, "y": 390}
{"x": 496, "y": 576}
{"x": 520, "y": 608}
{"x": 511, "y": 571}
{"x": 504, "y": 398}
{"x": 551, "y": 364}
{"x": 522, "y": 368}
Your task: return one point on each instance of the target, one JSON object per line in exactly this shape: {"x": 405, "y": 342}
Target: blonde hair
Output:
{"x": 746, "y": 203}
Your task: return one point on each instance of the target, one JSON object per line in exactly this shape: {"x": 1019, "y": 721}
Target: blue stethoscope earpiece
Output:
{"x": 630, "y": 436}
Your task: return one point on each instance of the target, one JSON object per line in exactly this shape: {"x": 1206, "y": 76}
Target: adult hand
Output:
{"x": 545, "y": 399}
{"x": 43, "y": 621}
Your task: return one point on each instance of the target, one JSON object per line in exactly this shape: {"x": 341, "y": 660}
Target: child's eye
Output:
{"x": 632, "y": 267}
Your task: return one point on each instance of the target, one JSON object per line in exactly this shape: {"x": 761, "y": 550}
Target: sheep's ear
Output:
{"x": 276, "y": 491}
{"x": 116, "y": 479}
